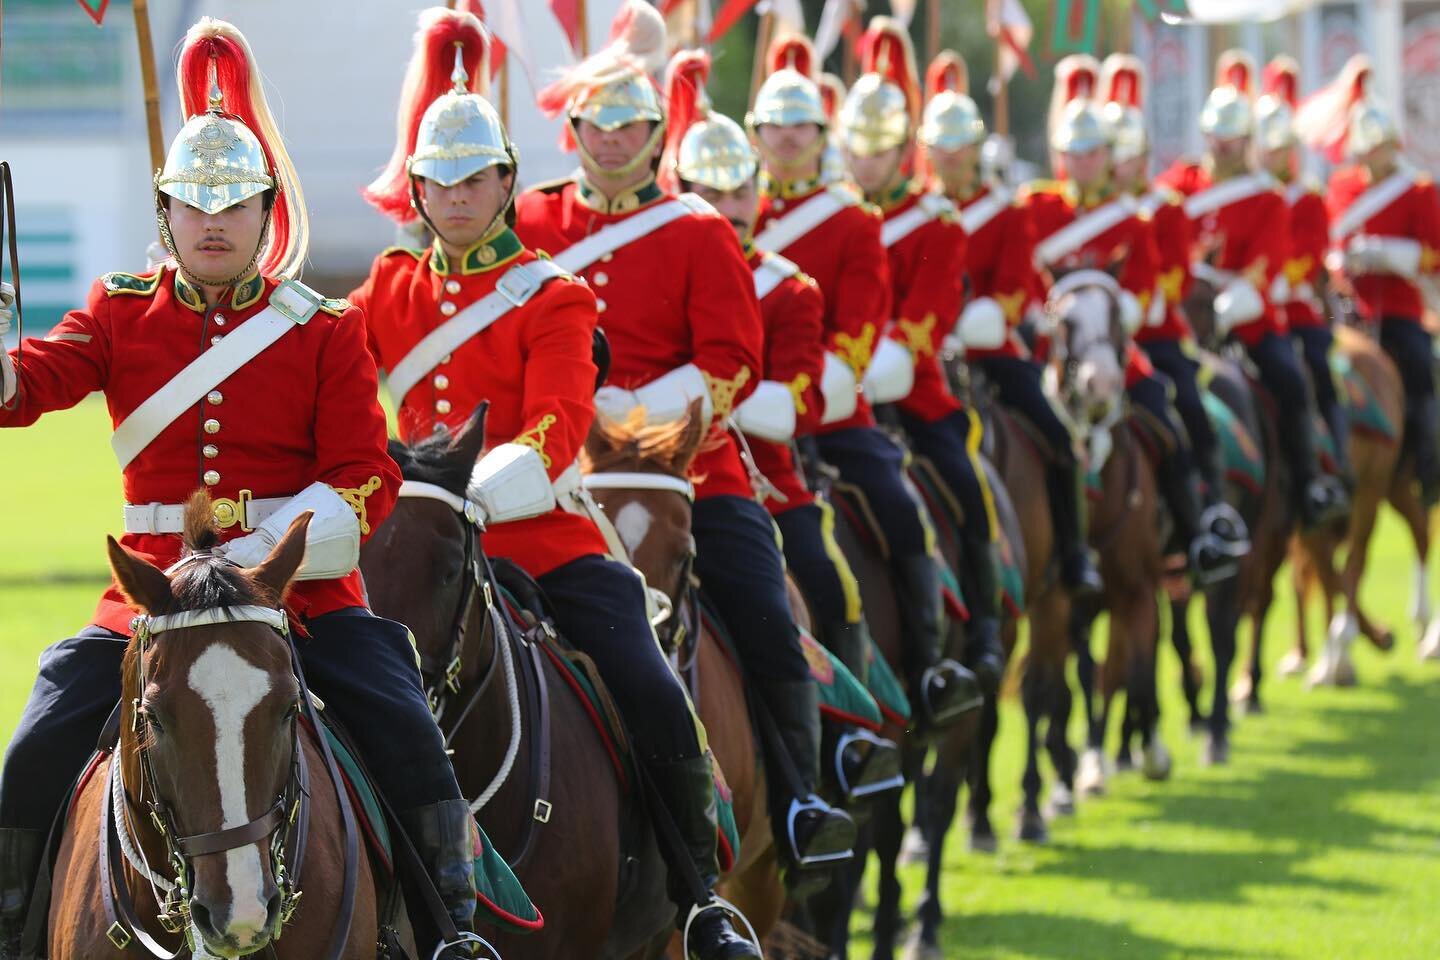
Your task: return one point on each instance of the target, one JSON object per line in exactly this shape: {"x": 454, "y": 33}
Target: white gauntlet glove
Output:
{"x": 332, "y": 541}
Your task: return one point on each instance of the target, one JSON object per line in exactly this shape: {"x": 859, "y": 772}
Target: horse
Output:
{"x": 582, "y": 847}
{"x": 638, "y": 475}
{"x": 215, "y": 778}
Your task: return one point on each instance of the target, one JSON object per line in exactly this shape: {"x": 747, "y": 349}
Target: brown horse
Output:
{"x": 1380, "y": 474}
{"x": 638, "y": 475}
{"x": 583, "y": 848}
{"x": 211, "y": 765}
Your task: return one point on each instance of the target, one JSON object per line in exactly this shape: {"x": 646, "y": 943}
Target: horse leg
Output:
{"x": 1222, "y": 612}
{"x": 889, "y": 835}
{"x": 1057, "y": 742}
{"x": 1032, "y": 827}
{"x": 1190, "y": 675}
{"x": 942, "y": 787}
{"x": 1362, "y": 529}
{"x": 1144, "y": 691}
{"x": 1090, "y": 776}
{"x": 1303, "y": 579}
{"x": 982, "y": 832}
{"x": 1422, "y": 612}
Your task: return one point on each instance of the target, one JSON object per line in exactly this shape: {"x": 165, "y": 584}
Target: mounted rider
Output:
{"x": 832, "y": 235}
{"x": 925, "y": 245}
{"x": 477, "y": 317}
{"x": 1165, "y": 335}
{"x": 677, "y": 302}
{"x": 223, "y": 371}
{"x": 1241, "y": 240}
{"x": 1385, "y": 231}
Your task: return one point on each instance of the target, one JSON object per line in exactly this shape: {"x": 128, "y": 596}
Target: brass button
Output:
{"x": 448, "y": 308}
{"x": 210, "y": 450}
{"x": 442, "y": 406}
{"x": 212, "y": 426}
{"x": 600, "y": 306}
{"x": 216, "y": 339}
{"x": 219, "y": 320}
{"x": 441, "y": 381}
{"x": 607, "y": 258}
{"x": 212, "y": 477}
{"x": 601, "y": 279}
{"x": 778, "y": 205}
{"x": 215, "y": 398}
{"x": 445, "y": 359}
{"x": 452, "y": 286}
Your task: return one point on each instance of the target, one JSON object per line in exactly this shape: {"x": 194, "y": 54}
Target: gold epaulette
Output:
{"x": 1034, "y": 187}
{"x": 846, "y": 192}
{"x": 134, "y": 284}
{"x": 418, "y": 254}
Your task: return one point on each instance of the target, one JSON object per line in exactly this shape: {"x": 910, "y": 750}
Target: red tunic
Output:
{"x": 1305, "y": 262}
{"x": 304, "y": 410}
{"x": 681, "y": 294}
{"x": 533, "y": 365}
{"x": 794, "y": 355}
{"x": 1414, "y": 215}
{"x": 999, "y": 259}
{"x": 1249, "y": 237}
{"x": 927, "y": 270}
{"x": 845, "y": 257}
{"x": 1172, "y": 243}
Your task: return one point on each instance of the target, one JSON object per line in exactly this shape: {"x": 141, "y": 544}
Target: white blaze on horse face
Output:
{"x": 632, "y": 523}
{"x": 231, "y": 687}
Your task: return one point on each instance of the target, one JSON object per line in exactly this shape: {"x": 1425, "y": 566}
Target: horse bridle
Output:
{"x": 278, "y": 823}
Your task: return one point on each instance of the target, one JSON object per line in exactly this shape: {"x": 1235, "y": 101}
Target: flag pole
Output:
{"x": 505, "y": 92}
{"x": 150, "y": 83}
{"x": 583, "y": 16}
{"x": 764, "y": 33}
{"x": 1002, "y": 91}
{"x": 932, "y": 30}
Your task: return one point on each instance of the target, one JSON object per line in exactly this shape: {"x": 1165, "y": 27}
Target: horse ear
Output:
{"x": 278, "y": 569}
{"x": 142, "y": 583}
{"x": 696, "y": 428}
{"x": 469, "y": 441}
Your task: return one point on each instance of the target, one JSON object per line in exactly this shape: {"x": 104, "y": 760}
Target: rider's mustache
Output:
{"x": 214, "y": 243}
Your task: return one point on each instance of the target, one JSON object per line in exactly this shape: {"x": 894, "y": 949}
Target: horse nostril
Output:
{"x": 272, "y": 912}
{"x": 200, "y": 917}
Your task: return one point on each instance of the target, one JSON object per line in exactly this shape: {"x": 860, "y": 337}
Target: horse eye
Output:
{"x": 148, "y": 717}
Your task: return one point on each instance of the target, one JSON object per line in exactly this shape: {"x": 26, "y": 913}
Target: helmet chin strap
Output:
{"x": 811, "y": 155}
{"x": 418, "y": 203}
{"x": 162, "y": 218}
{"x": 644, "y": 155}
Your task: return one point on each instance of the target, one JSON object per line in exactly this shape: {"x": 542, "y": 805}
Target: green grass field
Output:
{"x": 1321, "y": 840}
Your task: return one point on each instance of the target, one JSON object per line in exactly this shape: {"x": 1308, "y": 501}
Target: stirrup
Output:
{"x": 474, "y": 939}
{"x": 717, "y": 902}
{"x": 1225, "y": 522}
{"x": 1227, "y": 567}
{"x": 946, "y": 671}
{"x": 879, "y": 747}
{"x": 813, "y": 804}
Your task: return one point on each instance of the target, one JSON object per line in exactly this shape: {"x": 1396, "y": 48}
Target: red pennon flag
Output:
{"x": 95, "y": 9}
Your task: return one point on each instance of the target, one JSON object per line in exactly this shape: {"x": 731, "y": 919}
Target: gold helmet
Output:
{"x": 882, "y": 109}
{"x": 1371, "y": 126}
{"x": 1075, "y": 123}
{"x": 614, "y": 87}
{"x": 1081, "y": 128}
{"x": 702, "y": 146}
{"x": 1275, "y": 111}
{"x": 790, "y": 94}
{"x": 1228, "y": 112}
{"x": 951, "y": 119}
{"x": 230, "y": 148}
{"x": 1122, "y": 83}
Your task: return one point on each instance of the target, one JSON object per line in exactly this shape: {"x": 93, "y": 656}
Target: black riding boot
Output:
{"x": 20, "y": 853}
{"x": 1066, "y": 485}
{"x": 941, "y": 690}
{"x": 984, "y": 652}
{"x": 1318, "y": 500}
{"x": 1218, "y": 516}
{"x": 851, "y": 643}
{"x": 813, "y": 836}
{"x": 443, "y": 835}
{"x": 1339, "y": 426}
{"x": 1210, "y": 559}
{"x": 687, "y": 789}
{"x": 1421, "y": 423}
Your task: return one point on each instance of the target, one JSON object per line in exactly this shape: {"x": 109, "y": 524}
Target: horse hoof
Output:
{"x": 1062, "y": 801}
{"x": 1032, "y": 828}
{"x": 1241, "y": 689}
{"x": 1199, "y": 724}
{"x": 1324, "y": 673}
{"x": 1345, "y": 673}
{"x": 1384, "y": 640}
{"x": 1090, "y": 776}
{"x": 1157, "y": 762}
{"x": 918, "y": 949}
{"x": 1430, "y": 642}
{"x": 1293, "y": 663}
{"x": 984, "y": 841}
{"x": 915, "y": 848}
{"x": 1216, "y": 752}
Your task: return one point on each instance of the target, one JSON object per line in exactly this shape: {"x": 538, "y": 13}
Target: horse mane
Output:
{"x": 631, "y": 443}
{"x": 206, "y": 579}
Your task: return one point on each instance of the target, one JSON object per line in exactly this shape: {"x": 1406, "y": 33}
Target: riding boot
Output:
{"x": 942, "y": 691}
{"x": 20, "y": 853}
{"x": 1210, "y": 561}
{"x": 1317, "y": 501}
{"x": 1338, "y": 424}
{"x": 811, "y": 834}
{"x": 850, "y": 642}
{"x": 1217, "y": 515}
{"x": 687, "y": 790}
{"x": 444, "y": 836}
{"x": 1066, "y": 486}
{"x": 1421, "y": 422}
{"x": 984, "y": 652}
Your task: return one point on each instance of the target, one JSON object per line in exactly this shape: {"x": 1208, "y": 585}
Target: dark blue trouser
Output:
{"x": 600, "y": 608}
{"x": 1274, "y": 356}
{"x": 362, "y": 666}
{"x": 740, "y": 567}
{"x": 814, "y": 560}
{"x": 947, "y": 444}
{"x": 1315, "y": 344}
{"x": 1409, "y": 344}
{"x": 1153, "y": 394}
{"x": 1017, "y": 385}
{"x": 873, "y": 462}
{"x": 1171, "y": 359}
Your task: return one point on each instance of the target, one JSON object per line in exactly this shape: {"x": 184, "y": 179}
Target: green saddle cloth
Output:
{"x": 1243, "y": 459}
{"x": 886, "y": 689}
{"x": 842, "y": 696}
{"x": 1361, "y": 404}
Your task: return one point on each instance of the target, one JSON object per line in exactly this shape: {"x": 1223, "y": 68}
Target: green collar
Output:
{"x": 628, "y": 200}
{"x": 495, "y": 251}
{"x": 243, "y": 294}
{"x": 891, "y": 198}
{"x": 772, "y": 186}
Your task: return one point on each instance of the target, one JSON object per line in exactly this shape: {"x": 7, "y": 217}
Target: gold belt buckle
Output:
{"x": 229, "y": 512}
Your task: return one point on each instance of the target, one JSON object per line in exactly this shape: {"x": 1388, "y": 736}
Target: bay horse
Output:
{"x": 582, "y": 848}
{"x": 215, "y": 811}
{"x": 639, "y": 477}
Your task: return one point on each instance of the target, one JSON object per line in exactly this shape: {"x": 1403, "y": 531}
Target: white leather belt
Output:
{"x": 170, "y": 517}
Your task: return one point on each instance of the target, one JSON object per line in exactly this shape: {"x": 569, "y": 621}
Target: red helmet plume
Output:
{"x": 685, "y": 93}
{"x": 792, "y": 51}
{"x": 885, "y": 49}
{"x": 1281, "y": 80}
{"x": 1123, "y": 80}
{"x": 947, "y": 72}
{"x": 1236, "y": 68}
